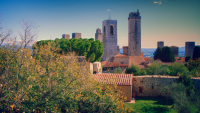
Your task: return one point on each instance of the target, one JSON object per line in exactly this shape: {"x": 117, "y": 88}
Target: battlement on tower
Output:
{"x": 134, "y": 15}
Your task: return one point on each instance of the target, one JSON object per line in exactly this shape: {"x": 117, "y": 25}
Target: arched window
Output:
{"x": 111, "y": 30}
{"x": 104, "y": 30}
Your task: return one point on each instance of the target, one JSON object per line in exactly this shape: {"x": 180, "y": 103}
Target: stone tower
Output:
{"x": 98, "y": 35}
{"x": 134, "y": 34}
{"x": 76, "y": 35}
{"x": 189, "y": 47}
{"x": 109, "y": 39}
{"x": 160, "y": 44}
{"x": 66, "y": 36}
{"x": 175, "y": 50}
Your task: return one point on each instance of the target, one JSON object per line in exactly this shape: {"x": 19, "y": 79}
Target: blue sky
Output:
{"x": 171, "y": 21}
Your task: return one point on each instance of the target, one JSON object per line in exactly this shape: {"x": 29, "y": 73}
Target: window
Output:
{"x": 111, "y": 30}
{"x": 140, "y": 89}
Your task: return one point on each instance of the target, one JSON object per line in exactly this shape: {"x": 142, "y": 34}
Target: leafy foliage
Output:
{"x": 186, "y": 100}
{"x": 134, "y": 69}
{"x": 157, "y": 69}
{"x": 194, "y": 67}
{"x": 50, "y": 82}
{"x": 177, "y": 69}
{"x": 196, "y": 53}
{"x": 92, "y": 50}
{"x": 158, "y": 53}
{"x": 165, "y": 54}
{"x": 187, "y": 58}
{"x": 118, "y": 70}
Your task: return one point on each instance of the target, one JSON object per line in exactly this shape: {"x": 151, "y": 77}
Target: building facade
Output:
{"x": 98, "y": 35}
{"x": 76, "y": 35}
{"x": 134, "y": 34}
{"x": 109, "y": 39}
{"x": 160, "y": 44}
{"x": 189, "y": 47}
{"x": 66, "y": 36}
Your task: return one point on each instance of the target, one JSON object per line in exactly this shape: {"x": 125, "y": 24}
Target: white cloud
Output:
{"x": 108, "y": 10}
{"x": 155, "y": 2}
{"x": 158, "y": 2}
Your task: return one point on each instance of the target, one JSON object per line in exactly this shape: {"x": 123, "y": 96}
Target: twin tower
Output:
{"x": 109, "y": 36}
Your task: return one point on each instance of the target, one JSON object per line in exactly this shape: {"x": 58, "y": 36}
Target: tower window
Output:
{"x": 104, "y": 30}
{"x": 111, "y": 30}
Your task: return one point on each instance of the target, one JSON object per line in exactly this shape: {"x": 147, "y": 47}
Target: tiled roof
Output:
{"x": 113, "y": 64}
{"x": 136, "y": 60}
{"x": 119, "y": 79}
{"x": 120, "y": 55}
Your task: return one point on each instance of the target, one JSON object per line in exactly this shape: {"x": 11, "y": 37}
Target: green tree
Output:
{"x": 177, "y": 69}
{"x": 134, "y": 69}
{"x": 167, "y": 55}
{"x": 156, "y": 69}
{"x": 92, "y": 50}
{"x": 157, "y": 54}
{"x": 50, "y": 82}
{"x": 118, "y": 70}
{"x": 196, "y": 52}
{"x": 187, "y": 58}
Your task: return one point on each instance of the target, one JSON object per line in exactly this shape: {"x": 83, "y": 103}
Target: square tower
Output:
{"x": 66, "y": 36}
{"x": 98, "y": 35}
{"x": 160, "y": 44}
{"x": 189, "y": 48}
{"x": 134, "y": 34}
{"x": 76, "y": 35}
{"x": 109, "y": 39}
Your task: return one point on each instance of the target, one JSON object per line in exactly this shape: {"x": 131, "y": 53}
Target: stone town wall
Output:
{"x": 151, "y": 85}
{"x": 125, "y": 91}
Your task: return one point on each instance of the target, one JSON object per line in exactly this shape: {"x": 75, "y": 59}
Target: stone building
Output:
{"x": 134, "y": 34}
{"x": 66, "y": 36}
{"x": 125, "y": 50}
{"x": 76, "y": 35}
{"x": 189, "y": 47}
{"x": 123, "y": 81}
{"x": 109, "y": 39}
{"x": 98, "y": 35}
{"x": 175, "y": 50}
{"x": 160, "y": 44}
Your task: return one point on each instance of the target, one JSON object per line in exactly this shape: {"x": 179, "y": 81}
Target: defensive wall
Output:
{"x": 151, "y": 85}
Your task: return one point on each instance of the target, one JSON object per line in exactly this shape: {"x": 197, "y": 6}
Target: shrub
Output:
{"x": 176, "y": 69}
{"x": 118, "y": 70}
{"x": 187, "y": 58}
{"x": 156, "y": 69}
{"x": 133, "y": 70}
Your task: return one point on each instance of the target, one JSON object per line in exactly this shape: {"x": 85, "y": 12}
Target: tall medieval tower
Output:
{"x": 98, "y": 35}
{"x": 109, "y": 39}
{"x": 134, "y": 34}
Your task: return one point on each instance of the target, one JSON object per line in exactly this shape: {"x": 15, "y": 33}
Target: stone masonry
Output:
{"x": 134, "y": 34}
{"x": 189, "y": 47}
{"x": 109, "y": 39}
{"x": 76, "y": 35}
{"x": 98, "y": 35}
{"x": 66, "y": 36}
{"x": 160, "y": 44}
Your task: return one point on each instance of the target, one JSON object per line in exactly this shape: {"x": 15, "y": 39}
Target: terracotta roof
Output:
{"x": 136, "y": 60}
{"x": 120, "y": 55}
{"x": 113, "y": 64}
{"x": 119, "y": 79}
